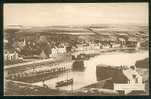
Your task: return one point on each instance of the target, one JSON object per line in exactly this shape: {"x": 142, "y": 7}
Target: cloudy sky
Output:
{"x": 75, "y": 14}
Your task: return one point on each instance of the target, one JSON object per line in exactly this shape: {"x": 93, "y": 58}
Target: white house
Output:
{"x": 55, "y": 51}
{"x": 11, "y": 56}
{"x": 116, "y": 45}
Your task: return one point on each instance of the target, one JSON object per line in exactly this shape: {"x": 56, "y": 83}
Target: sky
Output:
{"x": 75, "y": 14}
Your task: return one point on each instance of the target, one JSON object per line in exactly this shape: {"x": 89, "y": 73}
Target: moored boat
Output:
{"x": 64, "y": 83}
{"x": 78, "y": 65}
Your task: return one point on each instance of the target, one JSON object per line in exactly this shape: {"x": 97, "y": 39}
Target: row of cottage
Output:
{"x": 63, "y": 49}
{"x": 54, "y": 51}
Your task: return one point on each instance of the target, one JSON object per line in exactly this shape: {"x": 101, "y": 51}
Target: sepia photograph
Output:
{"x": 76, "y": 49}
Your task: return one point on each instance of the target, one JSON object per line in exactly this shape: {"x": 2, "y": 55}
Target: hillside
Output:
{"x": 86, "y": 32}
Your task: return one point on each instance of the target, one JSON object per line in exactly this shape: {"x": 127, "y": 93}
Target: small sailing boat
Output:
{"x": 65, "y": 82}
